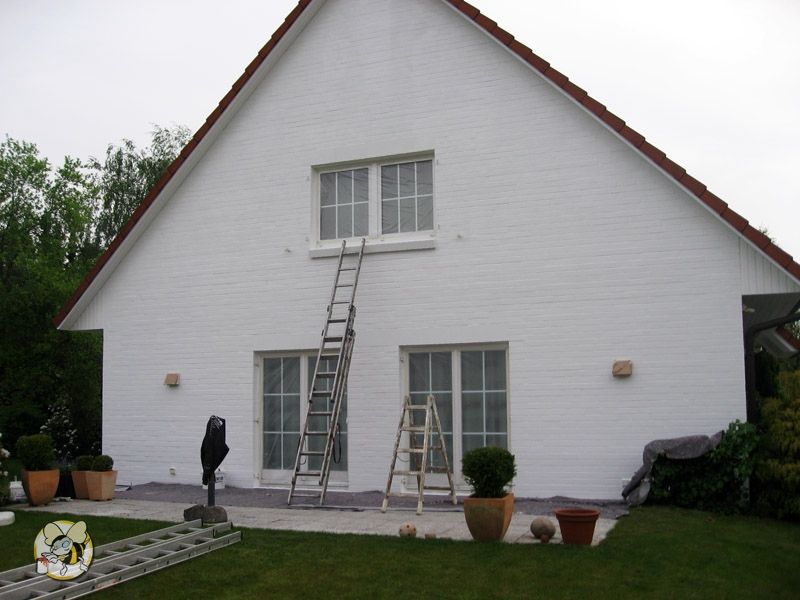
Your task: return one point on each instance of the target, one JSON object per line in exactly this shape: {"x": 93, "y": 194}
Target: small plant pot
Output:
{"x": 577, "y": 525}
{"x": 100, "y": 484}
{"x": 79, "y": 481}
{"x": 488, "y": 518}
{"x": 40, "y": 486}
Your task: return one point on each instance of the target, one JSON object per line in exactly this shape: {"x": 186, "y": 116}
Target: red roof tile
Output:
{"x": 559, "y": 79}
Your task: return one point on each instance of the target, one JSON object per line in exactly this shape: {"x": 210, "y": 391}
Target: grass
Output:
{"x": 656, "y": 552}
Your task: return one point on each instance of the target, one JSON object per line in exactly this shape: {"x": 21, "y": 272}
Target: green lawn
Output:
{"x": 656, "y": 552}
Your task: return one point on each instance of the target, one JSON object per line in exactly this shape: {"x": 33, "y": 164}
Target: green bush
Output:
{"x": 718, "y": 481}
{"x": 488, "y": 470}
{"x": 102, "y": 463}
{"x": 84, "y": 463}
{"x": 776, "y": 480}
{"x": 35, "y": 452}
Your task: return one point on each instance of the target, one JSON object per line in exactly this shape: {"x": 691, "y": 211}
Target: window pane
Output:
{"x": 425, "y": 177}
{"x": 389, "y": 217}
{"x": 407, "y": 178}
{"x": 327, "y": 189}
{"x": 389, "y": 181}
{"x": 344, "y": 187}
{"x": 472, "y": 370}
{"x": 408, "y": 215}
{"x": 327, "y": 223}
{"x": 424, "y": 213}
{"x": 272, "y": 451}
{"x": 341, "y": 453}
{"x": 272, "y": 375}
{"x": 291, "y": 413}
{"x": 361, "y": 221}
{"x": 344, "y": 225}
{"x": 361, "y": 185}
{"x": 499, "y": 441}
{"x": 419, "y": 372}
{"x": 496, "y": 419}
{"x": 291, "y": 375}
{"x": 441, "y": 371}
{"x": 290, "y": 442}
{"x": 444, "y": 404}
{"x": 471, "y": 441}
{"x": 272, "y": 413}
{"x": 472, "y": 412}
{"x": 495, "y": 362}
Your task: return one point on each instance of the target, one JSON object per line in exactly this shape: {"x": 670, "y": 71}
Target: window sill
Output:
{"x": 332, "y": 247}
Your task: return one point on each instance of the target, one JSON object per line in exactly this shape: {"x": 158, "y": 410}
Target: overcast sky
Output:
{"x": 713, "y": 83}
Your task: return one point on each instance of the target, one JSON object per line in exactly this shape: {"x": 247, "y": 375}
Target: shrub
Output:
{"x": 4, "y": 454}
{"x": 35, "y": 452}
{"x": 102, "y": 463}
{"x": 718, "y": 481}
{"x": 60, "y": 428}
{"x": 84, "y": 463}
{"x": 488, "y": 470}
{"x": 776, "y": 480}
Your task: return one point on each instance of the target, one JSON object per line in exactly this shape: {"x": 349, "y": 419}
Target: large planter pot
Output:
{"x": 488, "y": 518}
{"x": 79, "y": 481}
{"x": 100, "y": 484}
{"x": 40, "y": 486}
{"x": 577, "y": 525}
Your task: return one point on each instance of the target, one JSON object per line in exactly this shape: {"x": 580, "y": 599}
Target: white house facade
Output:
{"x": 518, "y": 244}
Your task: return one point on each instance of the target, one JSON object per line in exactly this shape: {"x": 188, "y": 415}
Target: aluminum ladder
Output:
{"x": 328, "y": 385}
{"x": 418, "y": 456}
{"x": 122, "y": 561}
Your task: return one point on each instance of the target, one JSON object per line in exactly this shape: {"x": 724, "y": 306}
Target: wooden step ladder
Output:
{"x": 411, "y": 427}
{"x": 329, "y": 382}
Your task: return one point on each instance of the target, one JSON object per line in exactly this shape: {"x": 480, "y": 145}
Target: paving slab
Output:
{"x": 442, "y": 524}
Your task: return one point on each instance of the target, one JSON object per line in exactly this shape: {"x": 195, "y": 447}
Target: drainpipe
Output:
{"x": 750, "y": 358}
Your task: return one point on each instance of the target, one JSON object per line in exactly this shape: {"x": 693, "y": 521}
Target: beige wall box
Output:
{"x": 622, "y": 368}
{"x": 172, "y": 379}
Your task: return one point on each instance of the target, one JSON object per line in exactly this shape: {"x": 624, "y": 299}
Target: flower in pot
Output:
{"x": 488, "y": 510}
{"x": 83, "y": 464}
{"x": 39, "y": 478}
{"x": 102, "y": 479}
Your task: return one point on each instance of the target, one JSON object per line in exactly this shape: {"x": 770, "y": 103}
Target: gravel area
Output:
{"x": 354, "y": 501}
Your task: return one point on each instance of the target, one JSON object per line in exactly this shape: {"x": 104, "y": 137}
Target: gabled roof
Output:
{"x": 633, "y": 137}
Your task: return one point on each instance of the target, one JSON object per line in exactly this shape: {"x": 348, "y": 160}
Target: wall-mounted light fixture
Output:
{"x": 622, "y": 368}
{"x": 172, "y": 379}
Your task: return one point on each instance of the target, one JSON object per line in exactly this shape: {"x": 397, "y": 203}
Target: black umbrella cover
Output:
{"x": 213, "y": 450}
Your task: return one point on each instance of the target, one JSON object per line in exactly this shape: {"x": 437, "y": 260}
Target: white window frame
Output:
{"x": 377, "y": 241}
{"x": 455, "y": 351}
{"x": 282, "y": 477}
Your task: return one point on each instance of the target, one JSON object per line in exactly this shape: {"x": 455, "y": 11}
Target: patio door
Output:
{"x": 285, "y": 384}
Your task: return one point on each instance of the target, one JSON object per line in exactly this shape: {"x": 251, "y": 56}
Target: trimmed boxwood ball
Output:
{"x": 36, "y": 452}
{"x": 84, "y": 463}
{"x": 488, "y": 471}
{"x": 102, "y": 463}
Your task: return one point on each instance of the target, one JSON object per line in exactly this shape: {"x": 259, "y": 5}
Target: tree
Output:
{"x": 53, "y": 226}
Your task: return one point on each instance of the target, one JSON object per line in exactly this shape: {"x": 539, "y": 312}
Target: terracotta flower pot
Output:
{"x": 100, "y": 484}
{"x": 40, "y": 486}
{"x": 577, "y": 525}
{"x": 79, "y": 481}
{"x": 488, "y": 518}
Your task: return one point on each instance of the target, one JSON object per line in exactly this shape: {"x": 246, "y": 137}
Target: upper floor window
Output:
{"x": 373, "y": 199}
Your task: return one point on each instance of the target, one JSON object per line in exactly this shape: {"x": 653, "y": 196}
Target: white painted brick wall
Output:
{"x": 554, "y": 237}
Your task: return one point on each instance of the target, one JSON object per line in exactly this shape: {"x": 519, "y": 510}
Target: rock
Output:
{"x": 6, "y": 518}
{"x": 209, "y": 514}
{"x": 430, "y": 536}
{"x": 193, "y": 512}
{"x": 543, "y": 529}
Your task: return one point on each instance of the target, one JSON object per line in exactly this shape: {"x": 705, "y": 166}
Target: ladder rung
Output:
{"x": 437, "y": 488}
{"x": 341, "y": 302}
{"x": 407, "y": 472}
{"x": 411, "y": 450}
{"x": 337, "y": 320}
{"x": 327, "y": 375}
{"x": 347, "y": 269}
{"x": 300, "y": 495}
{"x": 316, "y": 433}
{"x": 313, "y": 453}
{"x": 333, "y": 338}
{"x": 416, "y": 407}
{"x": 315, "y": 413}
{"x": 419, "y": 429}
{"x": 308, "y": 473}
{"x": 321, "y": 393}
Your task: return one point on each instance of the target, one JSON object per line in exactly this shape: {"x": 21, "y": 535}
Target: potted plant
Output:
{"x": 39, "y": 478}
{"x": 102, "y": 479}
{"x": 83, "y": 464}
{"x": 488, "y": 510}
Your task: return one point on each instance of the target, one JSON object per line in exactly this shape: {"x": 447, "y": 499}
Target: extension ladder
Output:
{"x": 329, "y": 382}
{"x": 121, "y": 561}
{"x": 418, "y": 456}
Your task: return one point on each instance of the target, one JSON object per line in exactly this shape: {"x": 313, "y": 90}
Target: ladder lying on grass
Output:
{"x": 121, "y": 561}
{"x": 328, "y": 384}
{"x": 418, "y": 455}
